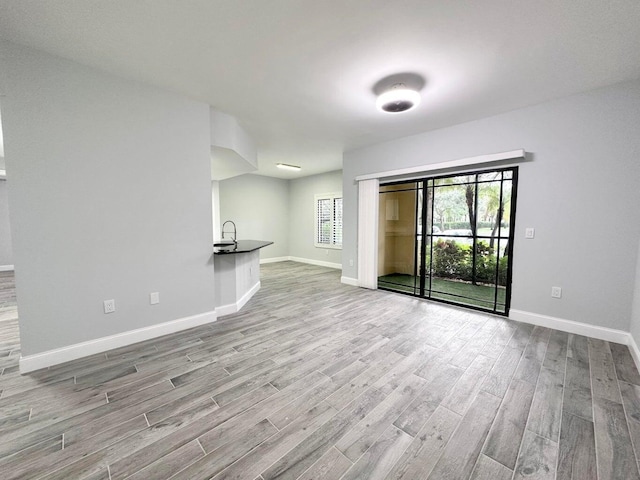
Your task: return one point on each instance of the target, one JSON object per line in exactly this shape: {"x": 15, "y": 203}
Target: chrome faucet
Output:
{"x": 234, "y": 230}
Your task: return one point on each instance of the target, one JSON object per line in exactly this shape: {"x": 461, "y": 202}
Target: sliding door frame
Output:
{"x": 422, "y": 186}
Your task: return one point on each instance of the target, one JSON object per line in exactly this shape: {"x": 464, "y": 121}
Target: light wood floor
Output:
{"x": 315, "y": 379}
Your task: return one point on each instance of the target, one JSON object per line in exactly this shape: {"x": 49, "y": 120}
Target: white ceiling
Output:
{"x": 299, "y": 74}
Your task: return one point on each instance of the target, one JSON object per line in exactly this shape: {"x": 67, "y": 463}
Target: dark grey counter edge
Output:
{"x": 242, "y": 246}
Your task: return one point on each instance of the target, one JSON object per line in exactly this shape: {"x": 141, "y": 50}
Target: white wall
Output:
{"x": 215, "y": 208}
{"x": 635, "y": 308}
{"x": 110, "y": 197}
{"x": 580, "y": 192}
{"x": 259, "y": 206}
{"x": 6, "y": 252}
{"x": 302, "y": 216}
{"x": 266, "y": 208}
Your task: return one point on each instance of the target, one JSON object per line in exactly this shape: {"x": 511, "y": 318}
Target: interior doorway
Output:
{"x": 450, "y": 238}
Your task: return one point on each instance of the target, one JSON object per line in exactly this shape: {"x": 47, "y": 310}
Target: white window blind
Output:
{"x": 328, "y": 232}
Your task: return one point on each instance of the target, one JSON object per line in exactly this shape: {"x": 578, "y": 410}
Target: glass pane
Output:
{"x": 456, "y": 279}
{"x": 450, "y": 259}
{"x": 489, "y": 211}
{"x": 433, "y": 228}
{"x": 400, "y": 283}
{"x": 397, "y": 241}
{"x": 456, "y": 180}
{"x": 426, "y": 266}
{"x": 452, "y": 205}
{"x": 419, "y": 266}
{"x": 507, "y": 187}
{"x": 483, "y": 276}
{"x": 489, "y": 177}
{"x": 398, "y": 187}
{"x": 502, "y": 275}
{"x": 445, "y": 293}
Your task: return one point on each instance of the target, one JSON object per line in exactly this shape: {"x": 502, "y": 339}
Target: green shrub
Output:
{"x": 485, "y": 263}
{"x": 449, "y": 258}
{"x": 502, "y": 271}
{"x": 455, "y": 260}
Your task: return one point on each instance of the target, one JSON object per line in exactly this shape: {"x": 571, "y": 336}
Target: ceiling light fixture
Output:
{"x": 398, "y": 99}
{"x": 284, "y": 166}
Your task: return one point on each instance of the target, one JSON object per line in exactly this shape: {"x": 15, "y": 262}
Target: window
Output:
{"x": 328, "y": 220}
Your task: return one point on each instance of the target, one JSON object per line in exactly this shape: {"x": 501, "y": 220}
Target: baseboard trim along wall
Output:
{"x": 635, "y": 352}
{"x": 7, "y": 268}
{"x": 571, "y": 326}
{"x": 274, "y": 260}
{"x": 349, "y": 281}
{"x": 310, "y": 261}
{"x": 38, "y": 361}
{"x": 230, "y": 308}
{"x": 320, "y": 263}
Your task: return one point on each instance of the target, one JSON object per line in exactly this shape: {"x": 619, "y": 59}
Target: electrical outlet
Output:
{"x": 556, "y": 292}
{"x": 529, "y": 232}
{"x": 109, "y": 306}
{"x": 351, "y": 262}
{"x": 154, "y": 298}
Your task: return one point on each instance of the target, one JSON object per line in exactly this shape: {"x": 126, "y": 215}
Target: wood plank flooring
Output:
{"x": 314, "y": 379}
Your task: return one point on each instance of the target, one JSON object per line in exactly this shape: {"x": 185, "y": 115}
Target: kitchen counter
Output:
{"x": 241, "y": 246}
{"x": 236, "y": 268}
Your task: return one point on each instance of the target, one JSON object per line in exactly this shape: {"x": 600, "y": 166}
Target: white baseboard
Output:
{"x": 273, "y": 260}
{"x": 7, "y": 268}
{"x": 570, "y": 326}
{"x": 310, "y": 261}
{"x": 29, "y": 363}
{"x": 235, "y": 307}
{"x": 349, "y": 281}
{"x": 635, "y": 352}
{"x": 320, "y": 263}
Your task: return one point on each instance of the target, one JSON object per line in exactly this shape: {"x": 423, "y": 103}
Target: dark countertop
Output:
{"x": 242, "y": 246}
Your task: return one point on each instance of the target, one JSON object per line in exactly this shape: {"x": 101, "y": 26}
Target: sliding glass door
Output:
{"x": 449, "y": 238}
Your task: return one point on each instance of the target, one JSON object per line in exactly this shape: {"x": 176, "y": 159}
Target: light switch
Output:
{"x": 154, "y": 298}
{"x": 529, "y": 232}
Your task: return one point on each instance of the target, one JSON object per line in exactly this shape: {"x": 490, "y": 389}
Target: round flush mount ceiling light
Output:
{"x": 398, "y": 99}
